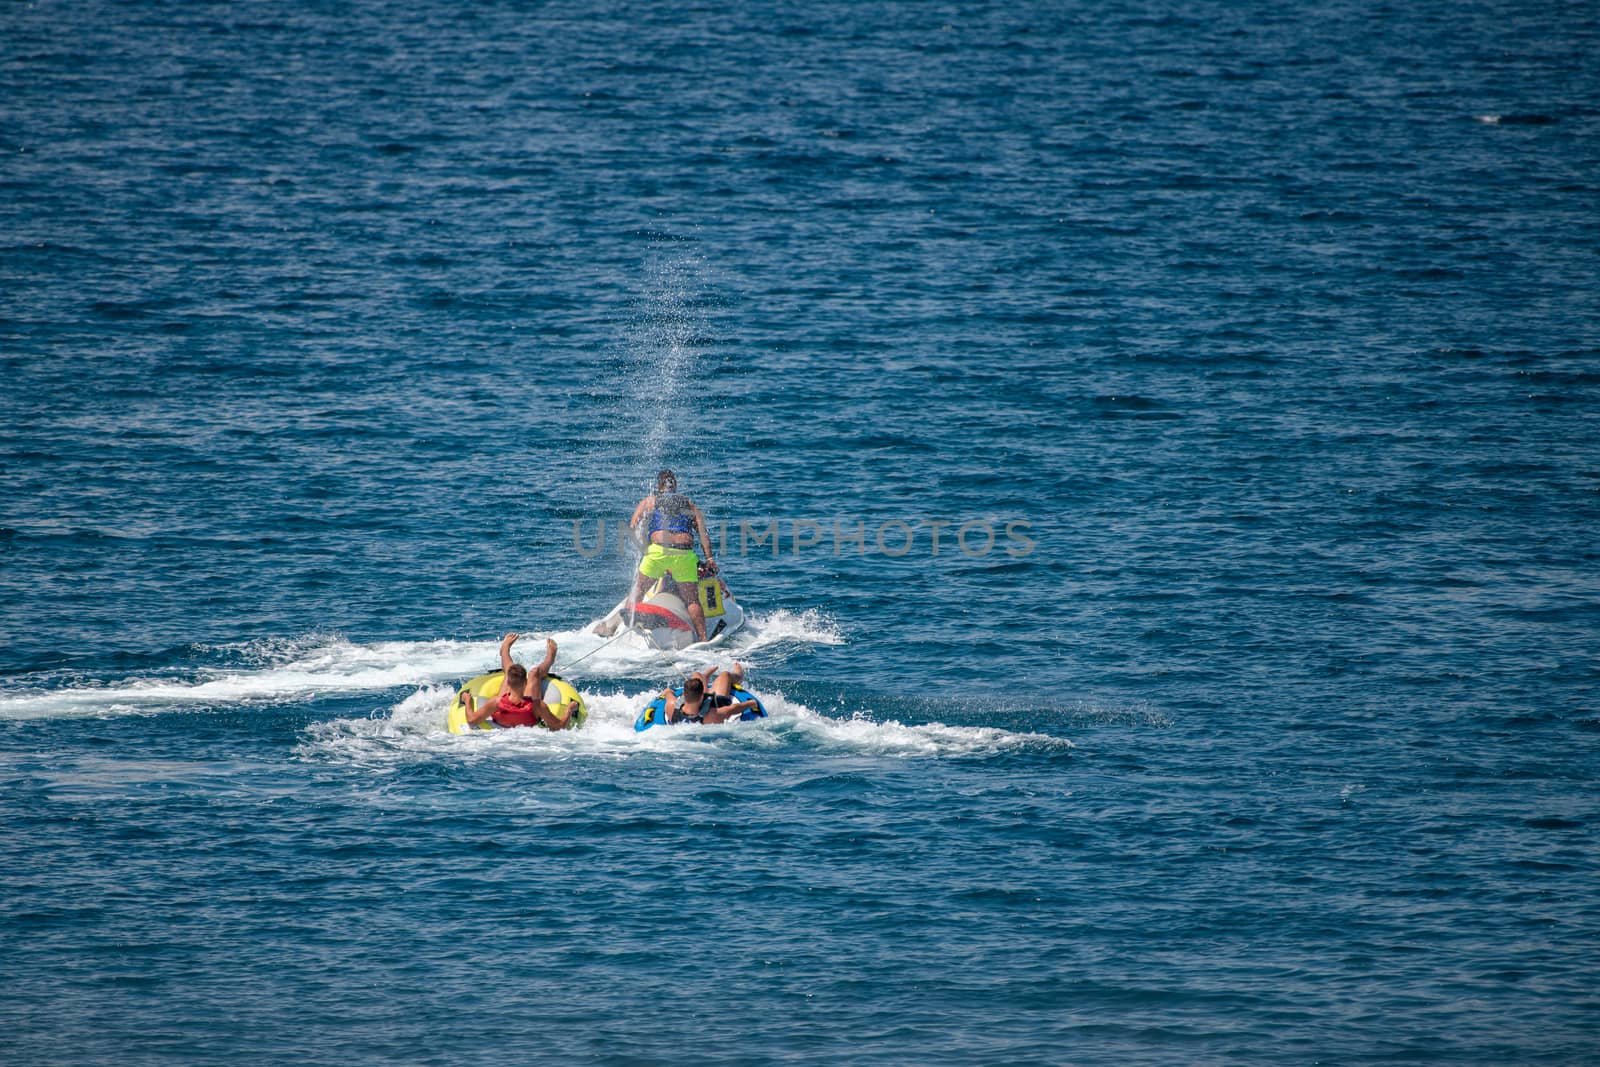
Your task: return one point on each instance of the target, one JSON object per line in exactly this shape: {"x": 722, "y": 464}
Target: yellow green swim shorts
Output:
{"x": 681, "y": 563}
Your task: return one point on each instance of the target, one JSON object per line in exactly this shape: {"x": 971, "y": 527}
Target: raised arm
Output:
{"x": 543, "y": 669}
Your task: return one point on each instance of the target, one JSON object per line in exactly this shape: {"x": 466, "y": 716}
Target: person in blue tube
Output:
{"x": 706, "y": 701}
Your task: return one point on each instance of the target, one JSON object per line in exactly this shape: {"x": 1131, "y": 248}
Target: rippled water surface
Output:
{"x": 1261, "y": 342}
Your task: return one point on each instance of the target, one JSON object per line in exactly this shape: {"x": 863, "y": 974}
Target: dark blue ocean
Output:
{"x": 1157, "y": 444}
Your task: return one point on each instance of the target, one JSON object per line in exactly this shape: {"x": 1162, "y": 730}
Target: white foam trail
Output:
{"x": 415, "y": 729}
{"x": 809, "y": 627}
{"x": 305, "y": 668}
{"x": 891, "y": 739}
{"x": 764, "y": 640}
{"x": 313, "y": 668}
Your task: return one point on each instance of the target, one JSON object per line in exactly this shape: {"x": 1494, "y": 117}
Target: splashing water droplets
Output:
{"x": 663, "y": 364}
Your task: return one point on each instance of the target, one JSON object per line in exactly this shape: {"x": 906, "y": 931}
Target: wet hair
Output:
{"x": 517, "y": 674}
{"x": 694, "y": 688}
{"x": 665, "y": 475}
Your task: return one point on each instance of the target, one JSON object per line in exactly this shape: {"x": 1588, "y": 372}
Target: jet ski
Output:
{"x": 661, "y": 617}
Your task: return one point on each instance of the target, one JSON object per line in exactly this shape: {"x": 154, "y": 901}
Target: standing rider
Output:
{"x": 674, "y": 523}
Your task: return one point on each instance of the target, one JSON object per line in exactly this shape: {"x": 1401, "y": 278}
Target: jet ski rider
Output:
{"x": 674, "y": 524}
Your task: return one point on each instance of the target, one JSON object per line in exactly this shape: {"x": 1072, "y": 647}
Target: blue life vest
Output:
{"x": 672, "y": 514}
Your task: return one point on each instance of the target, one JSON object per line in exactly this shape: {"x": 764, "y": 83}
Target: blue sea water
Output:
{"x": 1263, "y": 341}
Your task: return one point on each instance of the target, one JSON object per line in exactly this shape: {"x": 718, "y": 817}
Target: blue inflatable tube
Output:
{"x": 655, "y": 712}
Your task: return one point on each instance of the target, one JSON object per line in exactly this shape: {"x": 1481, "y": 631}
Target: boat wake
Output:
{"x": 415, "y": 729}
{"x": 279, "y": 671}
{"x": 764, "y": 639}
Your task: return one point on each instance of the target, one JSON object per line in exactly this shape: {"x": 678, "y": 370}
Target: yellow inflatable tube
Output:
{"x": 557, "y": 691}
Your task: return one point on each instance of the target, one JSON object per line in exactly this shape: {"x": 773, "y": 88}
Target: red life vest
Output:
{"x": 509, "y": 711}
